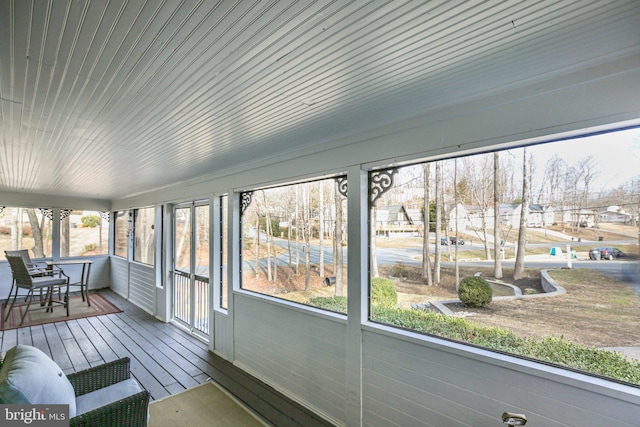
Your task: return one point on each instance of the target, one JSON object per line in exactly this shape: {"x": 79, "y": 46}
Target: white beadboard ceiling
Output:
{"x": 109, "y": 98}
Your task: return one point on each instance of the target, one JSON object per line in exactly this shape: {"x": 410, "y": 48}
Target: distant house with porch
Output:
{"x": 615, "y": 214}
{"x": 470, "y": 217}
{"x": 579, "y": 217}
{"x": 537, "y": 215}
{"x": 398, "y": 219}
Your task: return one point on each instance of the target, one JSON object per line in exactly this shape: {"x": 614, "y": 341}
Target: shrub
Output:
{"x": 549, "y": 349}
{"x": 335, "y": 303}
{"x": 90, "y": 221}
{"x": 399, "y": 270}
{"x": 475, "y": 291}
{"x": 383, "y": 292}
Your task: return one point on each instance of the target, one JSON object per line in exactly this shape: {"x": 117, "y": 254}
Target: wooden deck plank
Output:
{"x": 138, "y": 351}
{"x": 78, "y": 360}
{"x": 151, "y": 348}
{"x": 40, "y": 339}
{"x": 58, "y": 352}
{"x": 89, "y": 351}
{"x": 24, "y": 336}
{"x": 166, "y": 346}
{"x": 104, "y": 350}
{"x": 138, "y": 370}
{"x": 9, "y": 339}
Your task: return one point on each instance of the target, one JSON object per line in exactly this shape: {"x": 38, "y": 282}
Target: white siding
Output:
{"x": 222, "y": 335}
{"x": 120, "y": 276}
{"x": 297, "y": 351}
{"x": 142, "y": 286}
{"x": 407, "y": 382}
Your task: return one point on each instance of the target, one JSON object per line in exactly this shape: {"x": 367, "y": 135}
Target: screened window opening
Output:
{"x": 121, "y": 234}
{"x": 531, "y": 251}
{"x": 26, "y": 228}
{"x": 224, "y": 238}
{"x": 144, "y": 241}
{"x": 84, "y": 233}
{"x": 294, "y": 242}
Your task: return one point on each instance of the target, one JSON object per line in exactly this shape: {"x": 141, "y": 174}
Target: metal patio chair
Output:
{"x": 36, "y": 269}
{"x": 24, "y": 279}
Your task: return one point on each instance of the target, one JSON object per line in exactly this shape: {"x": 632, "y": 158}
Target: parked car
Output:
{"x": 605, "y": 253}
{"x": 453, "y": 240}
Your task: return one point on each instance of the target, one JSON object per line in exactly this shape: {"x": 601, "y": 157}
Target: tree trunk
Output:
{"x": 64, "y": 238}
{"x": 297, "y": 220}
{"x": 267, "y": 230}
{"x": 497, "y": 265}
{"x": 337, "y": 256}
{"x": 426, "y": 260}
{"x": 438, "y": 197}
{"x": 456, "y": 202}
{"x": 374, "y": 257}
{"x": 257, "y": 260}
{"x": 321, "y": 229}
{"x": 306, "y": 214}
{"x": 38, "y": 246}
{"x": 518, "y": 269}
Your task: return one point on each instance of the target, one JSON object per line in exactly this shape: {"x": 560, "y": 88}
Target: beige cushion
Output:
{"x": 28, "y": 376}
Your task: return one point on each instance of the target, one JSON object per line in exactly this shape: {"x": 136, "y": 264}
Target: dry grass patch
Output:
{"x": 596, "y": 311}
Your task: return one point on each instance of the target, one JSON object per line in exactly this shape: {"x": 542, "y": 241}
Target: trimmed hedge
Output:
{"x": 334, "y": 303}
{"x": 550, "y": 349}
{"x": 383, "y": 292}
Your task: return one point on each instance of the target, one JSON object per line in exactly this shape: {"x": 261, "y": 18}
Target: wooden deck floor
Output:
{"x": 164, "y": 359}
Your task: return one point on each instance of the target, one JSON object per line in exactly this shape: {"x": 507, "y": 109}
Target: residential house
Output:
{"x": 470, "y": 217}
{"x": 537, "y": 215}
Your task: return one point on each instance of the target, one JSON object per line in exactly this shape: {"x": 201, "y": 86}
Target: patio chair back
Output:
{"x": 24, "y": 253}
{"x": 20, "y": 272}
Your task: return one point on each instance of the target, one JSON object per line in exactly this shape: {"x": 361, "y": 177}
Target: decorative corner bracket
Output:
{"x": 341, "y": 182}
{"x": 245, "y": 200}
{"x": 380, "y": 182}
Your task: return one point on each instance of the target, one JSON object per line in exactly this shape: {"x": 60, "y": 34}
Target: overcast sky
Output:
{"x": 617, "y": 155}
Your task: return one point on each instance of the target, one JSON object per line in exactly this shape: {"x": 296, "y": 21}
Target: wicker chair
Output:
{"x": 128, "y": 409}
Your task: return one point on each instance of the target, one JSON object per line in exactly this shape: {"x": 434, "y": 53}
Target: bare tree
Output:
{"x": 306, "y": 220}
{"x": 426, "y": 260}
{"x": 321, "y": 228}
{"x": 477, "y": 177}
{"x": 36, "y": 230}
{"x": 456, "y": 203}
{"x": 497, "y": 248}
{"x": 372, "y": 238}
{"x": 297, "y": 222}
{"x": 337, "y": 252}
{"x": 439, "y": 197}
{"x": 518, "y": 269}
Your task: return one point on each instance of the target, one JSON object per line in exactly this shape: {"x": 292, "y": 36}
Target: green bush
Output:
{"x": 550, "y": 349}
{"x": 474, "y": 291}
{"x": 383, "y": 292}
{"x": 335, "y": 303}
{"x": 90, "y": 221}
{"x": 399, "y": 270}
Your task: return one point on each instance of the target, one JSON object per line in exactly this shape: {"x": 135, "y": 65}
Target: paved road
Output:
{"x": 627, "y": 271}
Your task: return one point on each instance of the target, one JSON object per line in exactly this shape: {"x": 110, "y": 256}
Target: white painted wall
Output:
{"x": 298, "y": 350}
